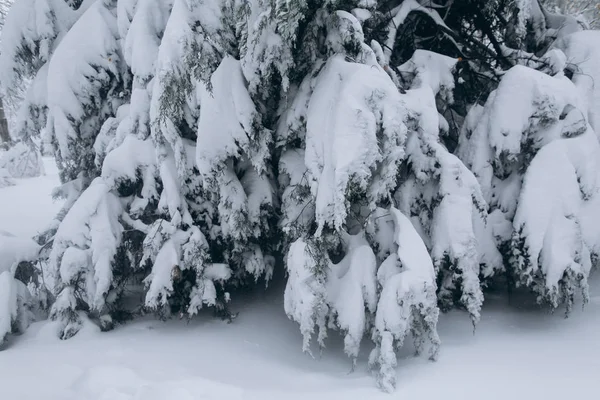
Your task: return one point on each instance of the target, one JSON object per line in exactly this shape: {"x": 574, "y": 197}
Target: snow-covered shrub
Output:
{"x": 215, "y": 186}
{"x": 535, "y": 157}
{"x": 81, "y": 263}
{"x": 231, "y": 156}
{"x": 351, "y": 129}
{"x": 390, "y": 159}
{"x": 440, "y": 195}
{"x": 22, "y": 161}
{"x": 366, "y": 145}
{"x": 583, "y": 61}
{"x": 30, "y": 35}
{"x": 85, "y": 87}
{"x": 17, "y": 305}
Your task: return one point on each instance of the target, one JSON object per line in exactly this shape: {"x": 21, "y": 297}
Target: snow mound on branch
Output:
{"x": 426, "y": 68}
{"x": 171, "y": 250}
{"x": 343, "y": 294}
{"x": 31, "y": 27}
{"x": 142, "y": 41}
{"x": 14, "y": 250}
{"x": 536, "y": 159}
{"x": 80, "y": 263}
{"x": 583, "y": 56}
{"x": 352, "y": 291}
{"x": 557, "y": 207}
{"x": 523, "y": 112}
{"x": 31, "y": 117}
{"x": 15, "y": 299}
{"x": 15, "y": 306}
{"x": 267, "y": 50}
{"x": 112, "y": 134}
{"x": 445, "y": 205}
{"x": 78, "y": 72}
{"x": 523, "y": 98}
{"x": 133, "y": 156}
{"x": 83, "y": 55}
{"x": 348, "y": 119}
{"x": 305, "y": 294}
{"x": 227, "y": 122}
{"x": 161, "y": 278}
{"x": 407, "y": 302}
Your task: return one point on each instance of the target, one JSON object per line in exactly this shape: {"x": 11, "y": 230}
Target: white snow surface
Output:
{"x": 259, "y": 355}
{"x": 27, "y": 208}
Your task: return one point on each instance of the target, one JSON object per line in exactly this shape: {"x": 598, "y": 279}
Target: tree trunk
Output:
{"x": 4, "y": 135}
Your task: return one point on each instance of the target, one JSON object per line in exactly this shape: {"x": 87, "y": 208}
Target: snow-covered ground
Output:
{"x": 518, "y": 351}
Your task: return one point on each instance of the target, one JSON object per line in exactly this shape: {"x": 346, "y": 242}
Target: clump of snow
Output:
{"x": 352, "y": 291}
{"x": 407, "y": 302}
{"x": 125, "y": 161}
{"x": 341, "y": 295}
{"x": 111, "y": 134}
{"x": 15, "y": 306}
{"x": 353, "y": 128}
{"x": 30, "y": 34}
{"x": 14, "y": 250}
{"x": 31, "y": 117}
{"x": 144, "y": 35}
{"x": 542, "y": 101}
{"x": 227, "y": 122}
{"x": 305, "y": 293}
{"x": 15, "y": 299}
{"x": 270, "y": 43}
{"x": 426, "y": 68}
{"x": 583, "y": 59}
{"x": 171, "y": 251}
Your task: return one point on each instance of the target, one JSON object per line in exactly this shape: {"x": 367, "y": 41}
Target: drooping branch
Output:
{"x": 400, "y": 14}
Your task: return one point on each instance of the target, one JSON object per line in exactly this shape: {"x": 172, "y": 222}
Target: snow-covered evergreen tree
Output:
{"x": 534, "y": 154}
{"x": 393, "y": 156}
{"x": 30, "y": 35}
{"x": 85, "y": 87}
{"x": 368, "y": 145}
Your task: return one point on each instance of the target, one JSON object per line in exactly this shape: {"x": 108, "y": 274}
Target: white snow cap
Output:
{"x": 342, "y": 147}
{"x": 14, "y": 250}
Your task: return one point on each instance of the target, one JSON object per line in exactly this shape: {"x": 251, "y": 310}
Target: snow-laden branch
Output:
{"x": 400, "y": 13}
